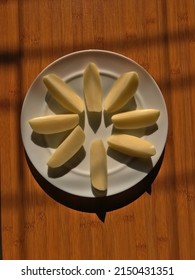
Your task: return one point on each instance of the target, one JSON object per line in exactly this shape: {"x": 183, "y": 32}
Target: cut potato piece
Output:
{"x": 54, "y": 123}
{"x": 92, "y": 88}
{"x": 131, "y": 145}
{"x": 68, "y": 148}
{"x": 63, "y": 93}
{"x": 135, "y": 119}
{"x": 98, "y": 165}
{"x": 121, "y": 92}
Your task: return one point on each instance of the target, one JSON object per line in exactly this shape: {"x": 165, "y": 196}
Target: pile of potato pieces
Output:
{"x": 123, "y": 89}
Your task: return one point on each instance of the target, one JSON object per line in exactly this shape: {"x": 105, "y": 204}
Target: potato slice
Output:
{"x": 68, "y": 148}
{"x": 131, "y": 145}
{"x": 54, "y": 123}
{"x": 135, "y": 119}
{"x": 98, "y": 165}
{"x": 63, "y": 93}
{"x": 121, "y": 92}
{"x": 92, "y": 88}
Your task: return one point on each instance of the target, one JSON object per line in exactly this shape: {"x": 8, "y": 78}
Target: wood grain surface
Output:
{"x": 158, "y": 220}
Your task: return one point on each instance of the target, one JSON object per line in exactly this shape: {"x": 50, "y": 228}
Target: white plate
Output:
{"x": 123, "y": 172}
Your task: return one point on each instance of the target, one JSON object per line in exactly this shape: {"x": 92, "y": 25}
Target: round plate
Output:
{"x": 74, "y": 178}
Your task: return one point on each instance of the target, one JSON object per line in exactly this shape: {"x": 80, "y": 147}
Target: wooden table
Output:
{"x": 36, "y": 222}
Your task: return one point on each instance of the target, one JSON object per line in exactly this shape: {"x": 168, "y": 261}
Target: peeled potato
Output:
{"x": 54, "y": 123}
{"x": 98, "y": 165}
{"x": 122, "y": 91}
{"x": 92, "y": 88}
{"x": 131, "y": 145}
{"x": 63, "y": 93}
{"x": 135, "y": 119}
{"x": 68, "y": 148}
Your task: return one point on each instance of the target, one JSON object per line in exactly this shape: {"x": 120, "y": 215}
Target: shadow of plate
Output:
{"x": 98, "y": 204}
